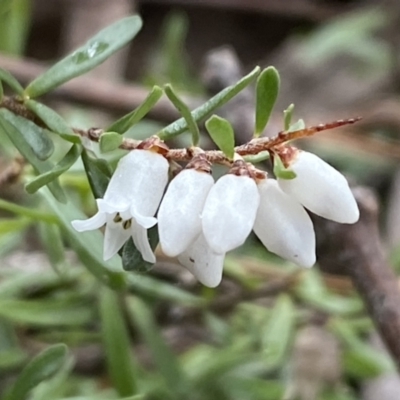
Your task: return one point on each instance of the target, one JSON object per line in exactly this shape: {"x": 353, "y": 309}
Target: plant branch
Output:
{"x": 253, "y": 147}
{"x": 356, "y": 250}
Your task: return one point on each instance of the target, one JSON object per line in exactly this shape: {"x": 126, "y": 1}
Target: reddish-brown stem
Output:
{"x": 253, "y": 147}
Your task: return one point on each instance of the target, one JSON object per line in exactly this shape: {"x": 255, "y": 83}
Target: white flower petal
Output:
{"x": 229, "y": 212}
{"x": 141, "y": 241}
{"x": 110, "y": 208}
{"x": 95, "y": 222}
{"x": 321, "y": 188}
{"x": 140, "y": 178}
{"x": 179, "y": 220}
{"x": 145, "y": 222}
{"x": 203, "y": 263}
{"x": 115, "y": 237}
{"x": 283, "y": 226}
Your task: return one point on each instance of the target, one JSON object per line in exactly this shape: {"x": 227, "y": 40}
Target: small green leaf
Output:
{"x": 266, "y": 94}
{"x": 8, "y": 225}
{"x": 40, "y": 368}
{"x": 46, "y": 313}
{"x": 287, "y": 117}
{"x": 278, "y": 331}
{"x": 157, "y": 289}
{"x": 52, "y": 241}
{"x": 13, "y": 130}
{"x": 14, "y": 27}
{"x": 280, "y": 171}
{"x": 98, "y": 49}
{"x": 110, "y": 141}
{"x": 87, "y": 245}
{"x": 312, "y": 291}
{"x": 98, "y": 172}
{"x": 360, "y": 359}
{"x": 19, "y": 284}
{"x": 27, "y": 212}
{"x": 186, "y": 113}
{"x": 6, "y": 77}
{"x": 257, "y": 158}
{"x": 297, "y": 126}
{"x": 64, "y": 165}
{"x": 163, "y": 357}
{"x": 5, "y": 7}
{"x": 205, "y": 110}
{"x": 128, "y": 120}
{"x": 222, "y": 134}
{"x": 1, "y": 92}
{"x": 132, "y": 259}
{"x": 34, "y": 136}
{"x": 117, "y": 344}
{"x": 53, "y": 121}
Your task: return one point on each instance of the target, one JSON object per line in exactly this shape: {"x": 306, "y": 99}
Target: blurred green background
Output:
{"x": 270, "y": 331}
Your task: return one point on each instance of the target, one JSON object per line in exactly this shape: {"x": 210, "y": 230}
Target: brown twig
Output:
{"x": 357, "y": 251}
{"x": 253, "y": 147}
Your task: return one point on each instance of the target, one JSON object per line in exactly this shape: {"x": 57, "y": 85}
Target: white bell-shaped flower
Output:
{"x": 283, "y": 226}
{"x": 203, "y": 262}
{"x": 229, "y": 212}
{"x": 130, "y": 202}
{"x": 179, "y": 222}
{"x": 321, "y": 188}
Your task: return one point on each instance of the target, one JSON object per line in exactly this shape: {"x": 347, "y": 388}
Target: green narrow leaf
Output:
{"x": 222, "y": 134}
{"x": 14, "y": 27}
{"x": 5, "y": 6}
{"x": 27, "y": 212}
{"x": 128, "y": 120}
{"x": 278, "y": 331}
{"x": 98, "y": 172}
{"x": 116, "y": 344}
{"x": 266, "y": 94}
{"x": 1, "y": 91}
{"x": 46, "y": 313}
{"x": 40, "y": 167}
{"x": 87, "y": 245}
{"x": 35, "y": 137}
{"x": 6, "y": 77}
{"x": 287, "y": 117}
{"x": 360, "y": 359}
{"x": 163, "y": 357}
{"x": 40, "y": 368}
{"x": 157, "y": 289}
{"x": 53, "y": 121}
{"x": 312, "y": 291}
{"x": 280, "y": 171}
{"x": 257, "y": 158}
{"x": 205, "y": 110}
{"x": 64, "y": 165}
{"x": 110, "y": 141}
{"x": 52, "y": 241}
{"x": 132, "y": 259}
{"x": 297, "y": 126}
{"x": 94, "y": 52}
{"x": 186, "y": 113}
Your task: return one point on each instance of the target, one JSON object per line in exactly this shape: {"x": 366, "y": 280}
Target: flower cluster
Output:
{"x": 200, "y": 220}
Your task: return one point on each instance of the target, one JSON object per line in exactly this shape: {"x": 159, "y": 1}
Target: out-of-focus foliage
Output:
{"x": 239, "y": 341}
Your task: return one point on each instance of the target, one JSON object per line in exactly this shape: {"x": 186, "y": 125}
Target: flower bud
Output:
{"x": 283, "y": 226}
{"x": 321, "y": 189}
{"x": 229, "y": 212}
{"x": 203, "y": 263}
{"x": 179, "y": 222}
